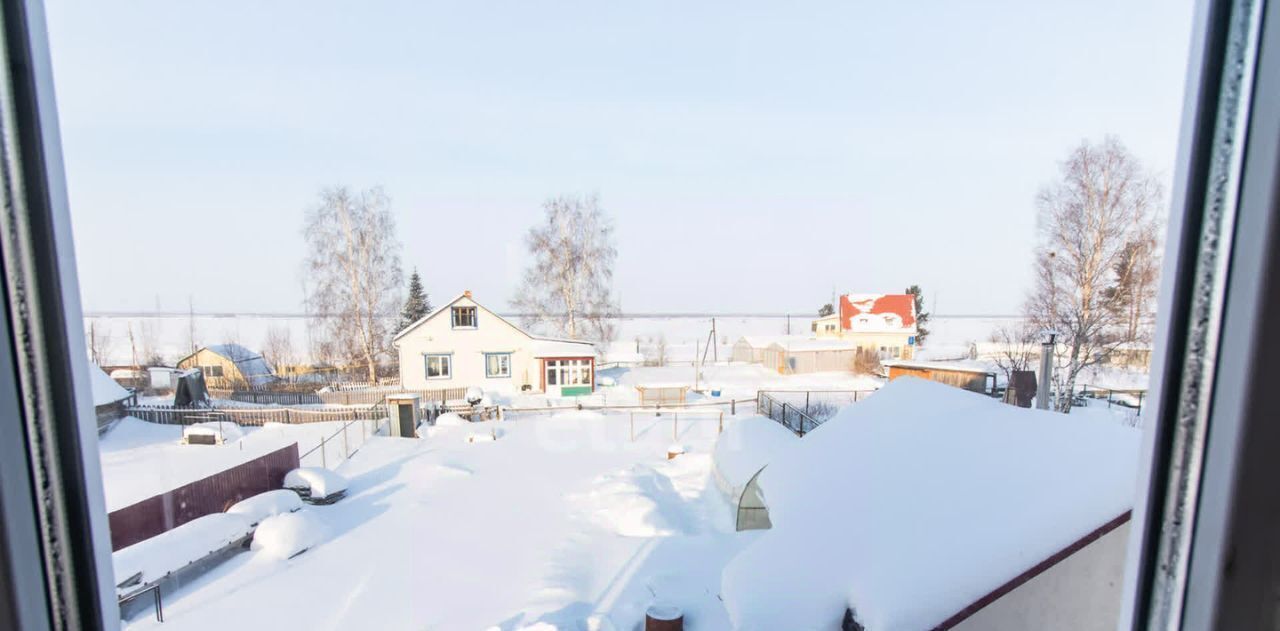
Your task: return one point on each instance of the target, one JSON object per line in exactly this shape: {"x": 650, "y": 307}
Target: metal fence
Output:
{"x": 820, "y": 404}
{"x": 172, "y": 415}
{"x": 337, "y": 447}
{"x": 790, "y": 416}
{"x": 213, "y": 494}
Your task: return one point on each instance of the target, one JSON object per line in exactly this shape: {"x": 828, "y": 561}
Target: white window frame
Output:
{"x": 446, "y": 365}
{"x": 504, "y": 371}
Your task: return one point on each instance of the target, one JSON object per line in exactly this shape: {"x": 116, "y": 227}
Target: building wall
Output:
{"x": 975, "y": 382}
{"x": 1080, "y": 593}
{"x": 874, "y": 341}
{"x": 826, "y": 327}
{"x": 204, "y": 357}
{"x": 468, "y": 347}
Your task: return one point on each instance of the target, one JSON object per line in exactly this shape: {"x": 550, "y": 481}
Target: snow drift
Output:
{"x": 635, "y": 502}
{"x": 269, "y": 504}
{"x": 175, "y": 549}
{"x": 920, "y": 500}
{"x": 287, "y": 535}
{"x": 744, "y": 448}
{"x": 316, "y": 485}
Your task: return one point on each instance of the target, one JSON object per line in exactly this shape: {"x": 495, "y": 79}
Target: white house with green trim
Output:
{"x": 463, "y": 344}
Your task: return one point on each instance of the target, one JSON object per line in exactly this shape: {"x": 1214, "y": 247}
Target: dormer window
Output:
{"x": 464, "y": 317}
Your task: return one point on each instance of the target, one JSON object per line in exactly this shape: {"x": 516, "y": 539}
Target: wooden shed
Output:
{"x": 966, "y": 376}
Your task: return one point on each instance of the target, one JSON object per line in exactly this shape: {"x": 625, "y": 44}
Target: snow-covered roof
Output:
{"x": 919, "y": 501}
{"x": 552, "y": 347}
{"x": 816, "y": 344}
{"x": 744, "y": 448}
{"x": 105, "y": 389}
{"x": 763, "y": 341}
{"x": 878, "y": 313}
{"x": 966, "y": 365}
{"x": 252, "y": 366}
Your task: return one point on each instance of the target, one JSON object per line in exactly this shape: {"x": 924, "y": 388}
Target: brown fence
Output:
{"x": 214, "y": 494}
{"x": 367, "y": 397}
{"x": 171, "y": 415}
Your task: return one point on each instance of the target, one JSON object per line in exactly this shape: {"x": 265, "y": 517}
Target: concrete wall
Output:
{"x": 1080, "y": 593}
{"x": 492, "y": 334}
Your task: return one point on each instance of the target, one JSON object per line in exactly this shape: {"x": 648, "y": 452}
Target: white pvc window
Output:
{"x": 439, "y": 366}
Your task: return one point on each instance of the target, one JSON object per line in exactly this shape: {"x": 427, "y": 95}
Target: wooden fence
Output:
{"x": 170, "y": 415}
{"x": 335, "y": 397}
{"x": 214, "y": 494}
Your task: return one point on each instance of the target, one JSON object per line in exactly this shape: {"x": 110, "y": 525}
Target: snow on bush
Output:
{"x": 914, "y": 503}
{"x": 175, "y": 549}
{"x": 744, "y": 448}
{"x": 605, "y": 380}
{"x": 634, "y": 502}
{"x": 450, "y": 419}
{"x": 316, "y": 483}
{"x": 287, "y": 535}
{"x": 474, "y": 395}
{"x": 264, "y": 505}
{"x": 224, "y": 431}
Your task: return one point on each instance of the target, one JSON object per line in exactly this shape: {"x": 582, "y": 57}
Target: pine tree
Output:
{"x": 922, "y": 316}
{"x": 417, "y": 305}
{"x": 826, "y": 310}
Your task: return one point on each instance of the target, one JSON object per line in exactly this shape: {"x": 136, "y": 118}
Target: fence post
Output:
{"x": 806, "y": 403}
{"x": 286, "y": 416}
{"x": 346, "y": 447}
{"x": 733, "y": 407}
{"x": 323, "y": 460}
{"x": 721, "y": 429}
{"x": 675, "y": 419}
{"x": 633, "y": 427}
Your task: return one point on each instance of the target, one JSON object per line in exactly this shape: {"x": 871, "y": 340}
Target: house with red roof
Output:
{"x": 882, "y": 323}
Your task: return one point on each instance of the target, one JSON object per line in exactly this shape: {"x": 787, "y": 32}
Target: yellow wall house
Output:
{"x": 880, "y": 323}
{"x": 229, "y": 366}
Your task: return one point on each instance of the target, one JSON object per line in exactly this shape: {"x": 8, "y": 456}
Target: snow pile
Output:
{"x": 287, "y": 535}
{"x": 915, "y": 503}
{"x": 175, "y": 549}
{"x": 744, "y": 448}
{"x": 635, "y": 502}
{"x": 221, "y": 431}
{"x": 269, "y": 504}
{"x": 474, "y": 395}
{"x": 482, "y": 437}
{"x": 316, "y": 485}
{"x": 450, "y": 419}
{"x": 105, "y": 389}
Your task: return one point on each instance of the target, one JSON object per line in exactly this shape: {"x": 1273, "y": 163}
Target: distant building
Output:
{"x": 881, "y": 323}
{"x": 109, "y": 398}
{"x": 462, "y": 344}
{"x": 751, "y": 348}
{"x": 229, "y": 366}
{"x": 970, "y": 376}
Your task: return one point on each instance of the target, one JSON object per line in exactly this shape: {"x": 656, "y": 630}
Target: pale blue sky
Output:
{"x": 754, "y": 155}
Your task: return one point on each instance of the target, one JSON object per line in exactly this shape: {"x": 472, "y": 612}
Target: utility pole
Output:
{"x": 715, "y": 343}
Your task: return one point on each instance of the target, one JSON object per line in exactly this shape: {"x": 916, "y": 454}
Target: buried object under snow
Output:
{"x": 316, "y": 485}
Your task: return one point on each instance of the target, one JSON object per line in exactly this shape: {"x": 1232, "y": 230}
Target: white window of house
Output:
{"x": 464, "y": 317}
{"x": 569, "y": 372}
{"x": 211, "y": 371}
{"x": 497, "y": 365}
{"x": 439, "y": 366}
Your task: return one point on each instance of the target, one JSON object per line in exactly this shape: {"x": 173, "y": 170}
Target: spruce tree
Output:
{"x": 922, "y": 316}
{"x": 417, "y": 305}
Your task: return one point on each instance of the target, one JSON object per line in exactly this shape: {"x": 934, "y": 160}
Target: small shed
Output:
{"x": 109, "y": 398}
{"x": 810, "y": 355}
{"x": 966, "y": 375}
{"x": 662, "y": 394}
{"x": 406, "y": 411}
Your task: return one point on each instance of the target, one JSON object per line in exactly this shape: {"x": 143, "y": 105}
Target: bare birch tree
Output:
{"x": 277, "y": 348}
{"x": 1103, "y": 202}
{"x": 99, "y": 343}
{"x": 568, "y": 287}
{"x": 353, "y": 266}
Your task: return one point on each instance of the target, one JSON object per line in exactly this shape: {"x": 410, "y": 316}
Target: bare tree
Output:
{"x": 1102, "y": 203}
{"x": 1018, "y": 348}
{"x": 146, "y": 343}
{"x": 277, "y": 348}
{"x": 354, "y": 270}
{"x": 568, "y": 286}
{"x": 1137, "y": 272}
{"x": 99, "y": 343}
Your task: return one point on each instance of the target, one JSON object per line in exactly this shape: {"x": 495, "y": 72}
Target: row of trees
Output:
{"x": 354, "y": 276}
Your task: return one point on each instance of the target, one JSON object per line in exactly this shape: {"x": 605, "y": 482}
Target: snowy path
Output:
{"x": 560, "y": 521}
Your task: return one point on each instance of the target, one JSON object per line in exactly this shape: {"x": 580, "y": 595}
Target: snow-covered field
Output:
{"x": 560, "y": 520}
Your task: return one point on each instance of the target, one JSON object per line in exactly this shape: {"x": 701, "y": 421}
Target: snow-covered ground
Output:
{"x": 560, "y": 520}
{"x": 141, "y": 459}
